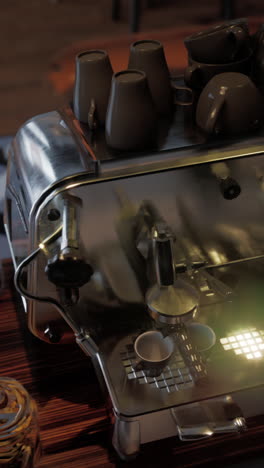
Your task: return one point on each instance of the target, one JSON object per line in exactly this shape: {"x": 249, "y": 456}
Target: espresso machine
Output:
{"x": 152, "y": 261}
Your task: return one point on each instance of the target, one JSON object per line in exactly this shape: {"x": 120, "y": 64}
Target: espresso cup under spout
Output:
{"x": 131, "y": 120}
{"x": 153, "y": 352}
{"x": 93, "y": 77}
{"x": 148, "y": 56}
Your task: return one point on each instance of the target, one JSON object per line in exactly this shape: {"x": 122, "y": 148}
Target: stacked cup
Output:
{"x": 220, "y": 59}
{"x": 139, "y": 95}
{"x": 224, "y": 48}
{"x": 130, "y": 103}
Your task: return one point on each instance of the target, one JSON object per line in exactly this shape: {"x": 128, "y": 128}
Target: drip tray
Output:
{"x": 234, "y": 363}
{"x": 175, "y": 377}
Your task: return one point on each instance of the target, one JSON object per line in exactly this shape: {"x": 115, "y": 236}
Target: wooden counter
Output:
{"x": 75, "y": 428}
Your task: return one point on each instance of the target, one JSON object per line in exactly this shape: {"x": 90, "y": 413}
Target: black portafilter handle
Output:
{"x": 68, "y": 269}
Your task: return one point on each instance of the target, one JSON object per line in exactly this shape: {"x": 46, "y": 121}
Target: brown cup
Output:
{"x": 229, "y": 104}
{"x": 92, "y": 87}
{"x": 131, "y": 120}
{"x": 198, "y": 74}
{"x": 220, "y": 44}
{"x": 148, "y": 56}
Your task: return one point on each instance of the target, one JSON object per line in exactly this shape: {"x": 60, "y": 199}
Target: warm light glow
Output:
{"x": 41, "y": 246}
{"x": 224, "y": 340}
{"x": 249, "y": 343}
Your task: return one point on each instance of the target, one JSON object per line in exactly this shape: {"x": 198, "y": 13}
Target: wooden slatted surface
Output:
{"x": 74, "y": 422}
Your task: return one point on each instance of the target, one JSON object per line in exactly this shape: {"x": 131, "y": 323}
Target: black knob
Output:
{"x": 68, "y": 272}
{"x": 230, "y": 188}
{"x": 53, "y": 214}
{"x": 52, "y": 334}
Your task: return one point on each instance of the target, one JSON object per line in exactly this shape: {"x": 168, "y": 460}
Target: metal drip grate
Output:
{"x": 175, "y": 377}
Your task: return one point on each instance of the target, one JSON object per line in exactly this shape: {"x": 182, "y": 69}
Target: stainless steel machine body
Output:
{"x": 217, "y": 245}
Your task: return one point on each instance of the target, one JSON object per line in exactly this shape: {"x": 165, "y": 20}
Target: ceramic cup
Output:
{"x": 153, "y": 352}
{"x": 202, "y": 337}
{"x": 229, "y": 104}
{"x": 149, "y": 57}
{"x": 220, "y": 44}
{"x": 92, "y": 87}
{"x": 197, "y": 74}
{"x": 131, "y": 120}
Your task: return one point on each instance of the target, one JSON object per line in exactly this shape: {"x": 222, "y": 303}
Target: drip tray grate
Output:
{"x": 175, "y": 376}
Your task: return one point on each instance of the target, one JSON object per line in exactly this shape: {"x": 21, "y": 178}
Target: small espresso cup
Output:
{"x": 131, "y": 120}
{"x": 229, "y": 104}
{"x": 148, "y": 56}
{"x": 220, "y": 44}
{"x": 202, "y": 337}
{"x": 93, "y": 77}
{"x": 153, "y": 352}
{"x": 198, "y": 74}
